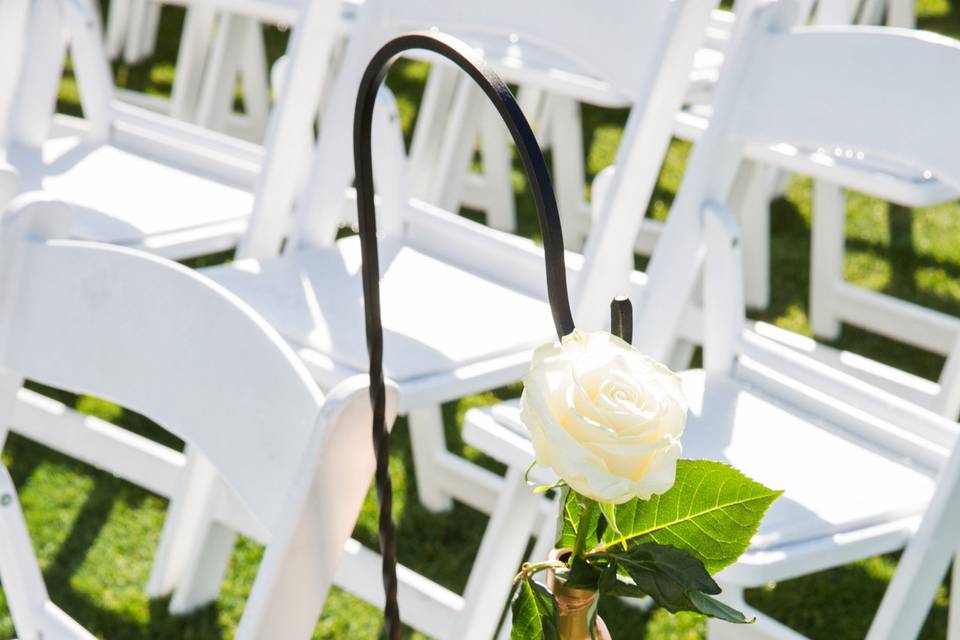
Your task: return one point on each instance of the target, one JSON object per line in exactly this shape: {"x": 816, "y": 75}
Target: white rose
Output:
{"x": 606, "y": 418}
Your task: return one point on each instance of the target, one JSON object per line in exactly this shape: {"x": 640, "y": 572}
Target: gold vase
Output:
{"x": 574, "y": 607}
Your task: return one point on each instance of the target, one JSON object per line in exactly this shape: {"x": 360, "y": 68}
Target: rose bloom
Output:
{"x": 606, "y": 418}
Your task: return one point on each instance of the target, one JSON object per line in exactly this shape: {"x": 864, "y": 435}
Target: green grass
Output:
{"x": 95, "y": 534}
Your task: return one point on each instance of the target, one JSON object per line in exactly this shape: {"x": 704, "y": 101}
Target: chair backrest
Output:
{"x": 162, "y": 340}
{"x": 860, "y": 88}
{"x": 651, "y": 26}
{"x": 607, "y": 38}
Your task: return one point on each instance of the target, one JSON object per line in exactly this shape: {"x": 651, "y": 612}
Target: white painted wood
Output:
{"x": 749, "y": 198}
{"x": 427, "y": 438}
{"x": 208, "y": 182}
{"x": 723, "y": 298}
{"x": 195, "y": 41}
{"x": 902, "y": 13}
{"x": 117, "y": 20}
{"x": 568, "y": 168}
{"x": 827, "y": 238}
{"x": 775, "y": 410}
{"x": 216, "y": 98}
{"x": 644, "y": 144}
{"x": 490, "y": 284}
{"x": 432, "y": 114}
{"x": 924, "y": 562}
{"x": 469, "y": 107}
{"x": 299, "y": 564}
{"x": 135, "y": 31}
{"x": 293, "y": 120}
{"x": 508, "y": 533}
{"x": 498, "y": 167}
{"x": 14, "y": 17}
{"x": 40, "y": 76}
{"x": 256, "y": 82}
{"x": 24, "y": 586}
{"x": 953, "y": 614}
{"x": 65, "y": 304}
{"x": 189, "y": 527}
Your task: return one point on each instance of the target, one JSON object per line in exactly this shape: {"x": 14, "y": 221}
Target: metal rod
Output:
{"x": 621, "y": 318}
{"x": 549, "y": 218}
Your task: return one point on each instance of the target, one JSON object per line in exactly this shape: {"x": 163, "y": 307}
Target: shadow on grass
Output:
{"x": 839, "y": 604}
{"x": 85, "y": 529}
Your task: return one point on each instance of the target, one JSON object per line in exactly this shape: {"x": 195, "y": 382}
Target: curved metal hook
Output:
{"x": 549, "y": 218}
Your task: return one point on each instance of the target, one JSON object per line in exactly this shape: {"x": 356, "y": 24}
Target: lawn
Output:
{"x": 95, "y": 534}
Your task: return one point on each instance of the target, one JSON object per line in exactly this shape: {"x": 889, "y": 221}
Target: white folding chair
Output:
{"x": 472, "y": 342}
{"x": 134, "y": 177}
{"x": 552, "y": 87}
{"x": 833, "y": 166}
{"x": 476, "y": 272}
{"x": 883, "y": 466}
{"x": 237, "y": 51}
{"x": 562, "y": 56}
{"x": 165, "y": 341}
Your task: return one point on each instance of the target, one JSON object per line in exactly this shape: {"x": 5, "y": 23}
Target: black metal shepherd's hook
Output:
{"x": 536, "y": 168}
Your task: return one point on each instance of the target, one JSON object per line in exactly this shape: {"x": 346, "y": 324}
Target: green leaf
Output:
{"x": 674, "y": 579}
{"x": 716, "y": 609}
{"x": 574, "y": 506}
{"x": 669, "y": 566}
{"x": 712, "y": 511}
{"x": 535, "y": 613}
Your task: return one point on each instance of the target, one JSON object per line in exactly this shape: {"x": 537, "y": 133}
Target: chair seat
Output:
{"x": 532, "y": 65}
{"x": 873, "y": 176}
{"x": 849, "y": 168}
{"x": 832, "y": 482}
{"x": 124, "y": 198}
{"x": 436, "y": 316}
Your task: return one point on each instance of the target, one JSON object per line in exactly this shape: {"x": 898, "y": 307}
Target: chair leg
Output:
{"x": 499, "y": 558}
{"x": 532, "y": 101}
{"x": 428, "y": 132}
{"x": 195, "y": 40}
{"x": 216, "y": 97}
{"x": 902, "y": 13}
{"x": 255, "y": 76}
{"x": 500, "y": 207}
{"x": 751, "y": 197}
{"x": 134, "y": 31}
{"x": 828, "y": 228}
{"x": 546, "y": 537}
{"x": 206, "y": 569}
{"x": 150, "y": 30}
{"x": 194, "y": 551}
{"x": 459, "y": 142}
{"x": 427, "y": 441}
{"x": 953, "y": 618}
{"x": 568, "y": 168}
{"x": 23, "y": 584}
{"x": 117, "y": 22}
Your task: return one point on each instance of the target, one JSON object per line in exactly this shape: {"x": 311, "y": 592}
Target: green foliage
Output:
{"x": 675, "y": 580}
{"x": 535, "y": 613}
{"x": 669, "y": 545}
{"x": 712, "y": 511}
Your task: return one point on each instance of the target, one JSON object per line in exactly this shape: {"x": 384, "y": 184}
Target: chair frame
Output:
{"x": 299, "y": 490}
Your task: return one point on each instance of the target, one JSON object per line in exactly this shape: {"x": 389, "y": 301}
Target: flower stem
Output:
{"x": 530, "y": 568}
{"x": 583, "y": 528}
